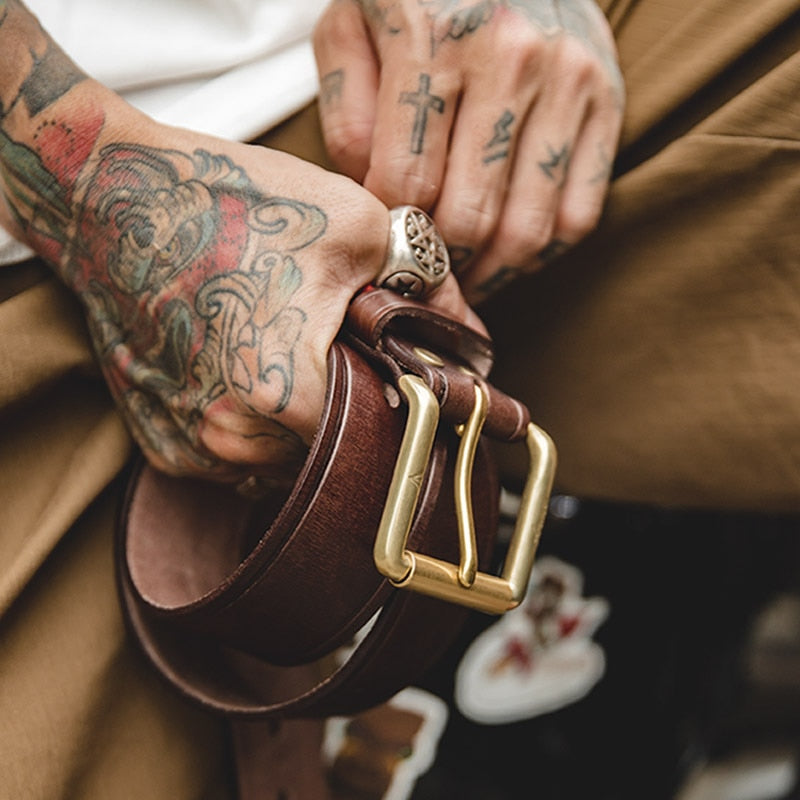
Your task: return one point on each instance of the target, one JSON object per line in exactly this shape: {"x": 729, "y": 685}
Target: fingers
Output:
{"x": 493, "y": 114}
{"x": 416, "y": 103}
{"x": 348, "y": 74}
{"x": 558, "y": 180}
{"x": 415, "y": 113}
{"x": 500, "y": 122}
{"x": 450, "y": 301}
{"x": 280, "y": 365}
{"x": 260, "y": 443}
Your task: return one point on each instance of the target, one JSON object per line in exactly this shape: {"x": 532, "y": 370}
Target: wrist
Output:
{"x": 43, "y": 158}
{"x": 53, "y": 121}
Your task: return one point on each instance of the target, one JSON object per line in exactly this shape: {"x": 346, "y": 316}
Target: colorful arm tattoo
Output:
{"x": 188, "y": 270}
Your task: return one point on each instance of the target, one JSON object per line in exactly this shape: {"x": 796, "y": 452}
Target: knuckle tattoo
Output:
{"x": 424, "y": 103}
{"x": 499, "y": 146}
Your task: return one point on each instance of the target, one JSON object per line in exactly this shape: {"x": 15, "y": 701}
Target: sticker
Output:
{"x": 537, "y": 658}
{"x": 380, "y": 753}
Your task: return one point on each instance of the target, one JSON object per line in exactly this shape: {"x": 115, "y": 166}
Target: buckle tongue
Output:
{"x": 462, "y": 583}
{"x": 470, "y": 436}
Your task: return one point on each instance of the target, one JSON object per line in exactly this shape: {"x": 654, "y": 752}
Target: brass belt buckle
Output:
{"x": 459, "y": 583}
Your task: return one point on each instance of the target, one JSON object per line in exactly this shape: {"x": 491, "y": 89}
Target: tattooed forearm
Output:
{"x": 498, "y": 146}
{"x": 189, "y": 273}
{"x": 34, "y": 71}
{"x": 188, "y": 269}
{"x": 424, "y": 102}
{"x": 51, "y": 76}
{"x": 191, "y": 240}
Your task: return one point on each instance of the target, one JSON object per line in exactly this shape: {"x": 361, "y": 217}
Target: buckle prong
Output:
{"x": 465, "y": 459}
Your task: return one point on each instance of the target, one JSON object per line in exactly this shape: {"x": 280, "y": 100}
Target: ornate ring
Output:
{"x": 417, "y": 260}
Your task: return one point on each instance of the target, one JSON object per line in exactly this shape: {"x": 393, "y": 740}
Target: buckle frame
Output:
{"x": 459, "y": 583}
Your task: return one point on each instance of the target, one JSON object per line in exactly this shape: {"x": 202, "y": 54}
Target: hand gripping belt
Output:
{"x": 333, "y": 598}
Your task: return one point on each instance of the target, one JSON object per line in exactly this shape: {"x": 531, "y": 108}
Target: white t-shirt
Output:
{"x": 231, "y": 68}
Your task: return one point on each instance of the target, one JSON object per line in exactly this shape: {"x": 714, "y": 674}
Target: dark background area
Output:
{"x": 685, "y": 589}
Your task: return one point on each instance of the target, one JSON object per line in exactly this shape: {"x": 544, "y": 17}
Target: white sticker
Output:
{"x": 380, "y": 753}
{"x": 537, "y": 658}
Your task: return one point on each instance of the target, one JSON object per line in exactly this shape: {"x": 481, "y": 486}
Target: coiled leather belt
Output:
{"x": 331, "y": 599}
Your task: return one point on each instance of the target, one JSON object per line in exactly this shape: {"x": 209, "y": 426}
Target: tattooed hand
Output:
{"x": 500, "y": 116}
{"x": 214, "y": 275}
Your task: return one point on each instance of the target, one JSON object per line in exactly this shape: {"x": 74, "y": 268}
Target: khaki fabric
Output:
{"x": 662, "y": 355}
{"x": 81, "y": 715}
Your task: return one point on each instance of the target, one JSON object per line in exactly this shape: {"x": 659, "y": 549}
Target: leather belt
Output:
{"x": 290, "y": 605}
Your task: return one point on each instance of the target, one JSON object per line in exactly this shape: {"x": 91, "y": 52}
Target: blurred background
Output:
{"x": 700, "y": 697}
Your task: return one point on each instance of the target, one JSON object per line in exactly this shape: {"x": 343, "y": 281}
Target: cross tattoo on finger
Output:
{"x": 424, "y": 102}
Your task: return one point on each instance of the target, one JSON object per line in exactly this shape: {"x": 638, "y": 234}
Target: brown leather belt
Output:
{"x": 294, "y": 605}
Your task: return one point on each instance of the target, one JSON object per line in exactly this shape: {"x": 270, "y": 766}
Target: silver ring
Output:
{"x": 417, "y": 260}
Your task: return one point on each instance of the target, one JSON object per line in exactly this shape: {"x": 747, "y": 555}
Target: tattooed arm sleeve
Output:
{"x": 214, "y": 275}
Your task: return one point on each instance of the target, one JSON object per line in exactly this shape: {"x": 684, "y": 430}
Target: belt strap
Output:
{"x": 275, "y": 607}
